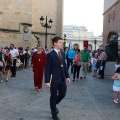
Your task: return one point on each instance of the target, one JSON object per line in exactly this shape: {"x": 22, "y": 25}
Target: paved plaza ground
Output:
{"x": 87, "y": 99}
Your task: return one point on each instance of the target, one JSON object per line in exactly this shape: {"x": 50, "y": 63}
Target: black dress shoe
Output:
{"x": 12, "y": 76}
{"x": 57, "y": 111}
{"x": 55, "y": 117}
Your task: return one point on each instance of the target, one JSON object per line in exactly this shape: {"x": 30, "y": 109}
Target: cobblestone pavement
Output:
{"x": 87, "y": 99}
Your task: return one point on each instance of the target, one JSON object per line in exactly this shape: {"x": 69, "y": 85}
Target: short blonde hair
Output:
{"x": 39, "y": 45}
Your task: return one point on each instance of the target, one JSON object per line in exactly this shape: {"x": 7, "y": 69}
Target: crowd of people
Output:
{"x": 84, "y": 61}
{"x": 12, "y": 59}
{"x": 53, "y": 65}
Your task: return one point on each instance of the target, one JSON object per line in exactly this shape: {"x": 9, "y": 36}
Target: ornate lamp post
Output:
{"x": 47, "y": 24}
{"x": 64, "y": 43}
{"x": 95, "y": 42}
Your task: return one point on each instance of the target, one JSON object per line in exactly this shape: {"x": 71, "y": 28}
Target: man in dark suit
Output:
{"x": 56, "y": 75}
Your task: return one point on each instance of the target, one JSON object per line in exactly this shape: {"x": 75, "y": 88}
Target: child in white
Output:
{"x": 94, "y": 66}
{"x": 116, "y": 84}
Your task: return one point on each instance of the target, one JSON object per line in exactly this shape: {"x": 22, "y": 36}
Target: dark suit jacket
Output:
{"x": 53, "y": 67}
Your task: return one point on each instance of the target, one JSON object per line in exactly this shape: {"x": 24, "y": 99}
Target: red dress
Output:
{"x": 38, "y": 61}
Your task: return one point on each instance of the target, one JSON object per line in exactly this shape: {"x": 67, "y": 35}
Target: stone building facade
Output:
{"x": 79, "y": 34}
{"x": 19, "y": 21}
{"x": 111, "y": 18}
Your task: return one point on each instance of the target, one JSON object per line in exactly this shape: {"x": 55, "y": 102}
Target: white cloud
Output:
{"x": 84, "y": 12}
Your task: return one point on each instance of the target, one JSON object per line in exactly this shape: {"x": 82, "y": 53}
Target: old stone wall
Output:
{"x": 44, "y": 8}
{"x": 15, "y": 15}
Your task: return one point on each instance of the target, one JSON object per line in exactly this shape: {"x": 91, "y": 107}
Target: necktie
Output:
{"x": 59, "y": 56}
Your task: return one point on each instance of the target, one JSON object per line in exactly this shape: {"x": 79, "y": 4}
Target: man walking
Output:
{"x": 84, "y": 64}
{"x": 56, "y": 70}
{"x": 14, "y": 53}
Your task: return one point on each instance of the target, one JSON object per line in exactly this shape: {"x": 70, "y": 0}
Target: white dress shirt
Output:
{"x": 14, "y": 53}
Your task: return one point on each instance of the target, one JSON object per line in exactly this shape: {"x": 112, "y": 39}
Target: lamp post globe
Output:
{"x": 46, "y": 25}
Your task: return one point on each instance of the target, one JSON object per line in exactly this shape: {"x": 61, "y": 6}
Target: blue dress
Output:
{"x": 94, "y": 64}
{"x": 1, "y": 61}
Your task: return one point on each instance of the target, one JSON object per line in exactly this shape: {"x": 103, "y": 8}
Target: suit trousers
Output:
{"x": 101, "y": 72}
{"x": 26, "y": 62}
{"x": 58, "y": 92}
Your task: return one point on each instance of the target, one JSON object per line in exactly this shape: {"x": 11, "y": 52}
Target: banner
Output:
{"x": 85, "y": 44}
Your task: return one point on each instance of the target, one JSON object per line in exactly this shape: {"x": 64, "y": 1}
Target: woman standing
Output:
{"x": 38, "y": 63}
{"x": 76, "y": 64}
{"x": 21, "y": 55}
{"x": 2, "y": 63}
{"x": 9, "y": 62}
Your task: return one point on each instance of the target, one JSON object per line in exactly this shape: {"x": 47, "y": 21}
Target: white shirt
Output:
{"x": 56, "y": 50}
{"x": 103, "y": 56}
{"x": 35, "y": 50}
{"x": 28, "y": 52}
{"x": 14, "y": 53}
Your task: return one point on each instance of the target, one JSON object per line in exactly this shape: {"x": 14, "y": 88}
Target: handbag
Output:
{"x": 8, "y": 64}
{"x": 8, "y": 60}
{"x": 1, "y": 64}
{"x": 18, "y": 63}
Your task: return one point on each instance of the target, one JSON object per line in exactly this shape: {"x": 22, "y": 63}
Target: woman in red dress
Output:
{"x": 38, "y": 64}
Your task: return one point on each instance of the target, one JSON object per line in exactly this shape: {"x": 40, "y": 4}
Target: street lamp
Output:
{"x": 47, "y": 24}
{"x": 95, "y": 42}
{"x": 64, "y": 43}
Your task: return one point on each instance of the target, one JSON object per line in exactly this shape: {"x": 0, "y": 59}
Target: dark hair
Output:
{"x": 55, "y": 39}
{"x": 77, "y": 50}
{"x": 118, "y": 70}
{"x": 12, "y": 45}
{"x": 8, "y": 48}
{"x": 118, "y": 61}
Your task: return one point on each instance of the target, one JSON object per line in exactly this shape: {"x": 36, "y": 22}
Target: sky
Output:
{"x": 86, "y": 13}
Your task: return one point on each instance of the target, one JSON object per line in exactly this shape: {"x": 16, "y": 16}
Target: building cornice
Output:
{"x": 9, "y": 30}
{"x": 26, "y": 24}
{"x": 111, "y": 7}
{"x": 42, "y": 33}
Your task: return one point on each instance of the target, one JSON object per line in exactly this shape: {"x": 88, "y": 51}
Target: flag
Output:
{"x": 85, "y": 44}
